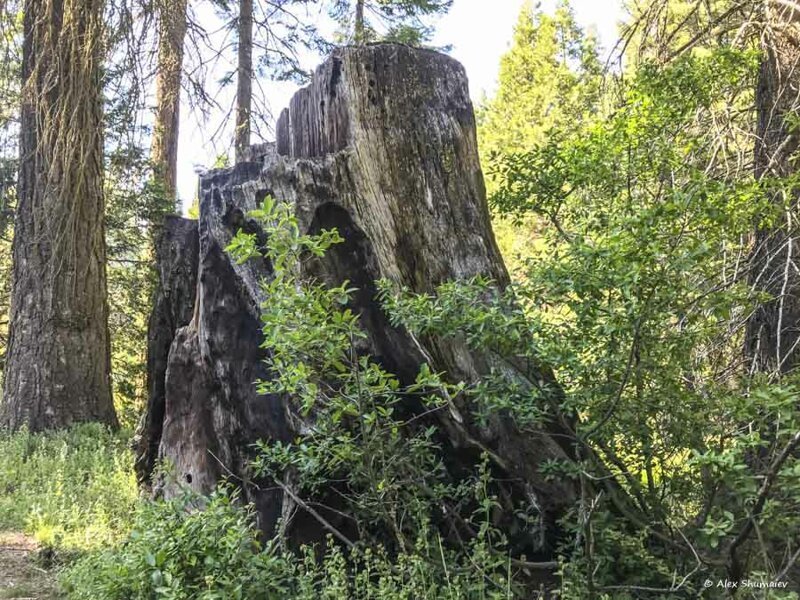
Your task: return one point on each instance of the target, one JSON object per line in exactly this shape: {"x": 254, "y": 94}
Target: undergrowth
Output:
{"x": 177, "y": 552}
{"x": 75, "y": 492}
{"x": 71, "y": 490}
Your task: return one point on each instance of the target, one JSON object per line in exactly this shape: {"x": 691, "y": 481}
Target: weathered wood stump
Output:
{"x": 176, "y": 256}
{"x": 382, "y": 146}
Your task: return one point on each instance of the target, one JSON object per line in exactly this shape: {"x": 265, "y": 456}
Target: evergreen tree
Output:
{"x": 9, "y": 122}
{"x": 268, "y": 40}
{"x": 551, "y": 75}
{"x": 172, "y": 25}
{"x": 244, "y": 74}
{"x": 58, "y": 366}
{"x": 389, "y": 20}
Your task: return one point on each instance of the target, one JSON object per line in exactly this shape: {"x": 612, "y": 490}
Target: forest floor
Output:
{"x": 21, "y": 576}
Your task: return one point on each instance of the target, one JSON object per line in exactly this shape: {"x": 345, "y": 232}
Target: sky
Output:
{"x": 479, "y": 32}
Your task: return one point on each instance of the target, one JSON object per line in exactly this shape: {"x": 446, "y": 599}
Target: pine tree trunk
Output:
{"x": 244, "y": 90}
{"x": 359, "y": 25}
{"x": 58, "y": 366}
{"x": 164, "y": 149}
{"x": 773, "y": 332}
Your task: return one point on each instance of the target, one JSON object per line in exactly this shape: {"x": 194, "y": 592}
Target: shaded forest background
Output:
{"x": 645, "y": 203}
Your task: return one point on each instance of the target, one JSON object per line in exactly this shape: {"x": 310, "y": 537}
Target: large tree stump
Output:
{"x": 382, "y": 146}
{"x": 176, "y": 254}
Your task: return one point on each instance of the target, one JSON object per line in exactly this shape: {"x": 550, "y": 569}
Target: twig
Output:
{"x": 324, "y": 522}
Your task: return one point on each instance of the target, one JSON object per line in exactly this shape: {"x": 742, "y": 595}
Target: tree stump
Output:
{"x": 382, "y": 146}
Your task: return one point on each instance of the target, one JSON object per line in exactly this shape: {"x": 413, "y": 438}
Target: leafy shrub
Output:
{"x": 396, "y": 487}
{"x": 73, "y": 489}
{"x": 639, "y": 296}
{"x": 177, "y": 551}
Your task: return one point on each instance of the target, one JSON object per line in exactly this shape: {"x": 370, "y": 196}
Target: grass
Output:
{"x": 72, "y": 491}
{"x": 78, "y": 530}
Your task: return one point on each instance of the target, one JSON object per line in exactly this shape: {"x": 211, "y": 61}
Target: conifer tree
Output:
{"x": 268, "y": 40}
{"x": 389, "y": 20}
{"x": 244, "y": 74}
{"x": 172, "y": 25}
{"x": 58, "y": 365}
{"x": 550, "y": 74}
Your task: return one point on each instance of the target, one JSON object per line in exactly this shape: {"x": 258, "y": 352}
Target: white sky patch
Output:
{"x": 479, "y": 32}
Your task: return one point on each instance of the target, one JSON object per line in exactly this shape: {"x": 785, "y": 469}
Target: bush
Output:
{"x": 73, "y": 489}
{"x": 178, "y": 551}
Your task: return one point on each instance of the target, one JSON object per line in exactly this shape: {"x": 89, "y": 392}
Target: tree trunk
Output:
{"x": 773, "y": 332}
{"x": 164, "y": 148}
{"x": 244, "y": 89}
{"x": 382, "y": 146}
{"x": 58, "y": 366}
{"x": 360, "y": 28}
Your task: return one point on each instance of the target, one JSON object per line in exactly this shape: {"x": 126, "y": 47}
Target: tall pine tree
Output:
{"x": 268, "y": 40}
{"x": 9, "y": 104}
{"x": 244, "y": 79}
{"x": 172, "y": 27}
{"x": 551, "y": 74}
{"x": 58, "y": 366}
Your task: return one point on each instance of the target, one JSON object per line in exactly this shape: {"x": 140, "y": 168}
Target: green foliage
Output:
{"x": 313, "y": 337}
{"x": 185, "y": 548}
{"x": 10, "y": 25}
{"x": 641, "y": 200}
{"x": 550, "y": 77}
{"x": 72, "y": 489}
{"x": 637, "y": 295}
{"x": 403, "y": 21}
{"x": 134, "y": 211}
{"x": 131, "y": 210}
{"x": 662, "y": 30}
{"x": 5, "y": 294}
{"x": 178, "y": 551}
{"x": 283, "y": 34}
{"x": 628, "y": 286}
{"x": 367, "y": 440}
{"x": 491, "y": 323}
{"x": 384, "y": 466}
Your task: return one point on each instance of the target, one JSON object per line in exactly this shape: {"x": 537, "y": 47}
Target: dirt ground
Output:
{"x": 21, "y": 576}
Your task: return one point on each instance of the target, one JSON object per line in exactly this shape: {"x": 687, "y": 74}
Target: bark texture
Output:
{"x": 382, "y": 146}
{"x": 176, "y": 255}
{"x": 172, "y": 24}
{"x": 773, "y": 332}
{"x": 244, "y": 85}
{"x": 58, "y": 364}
